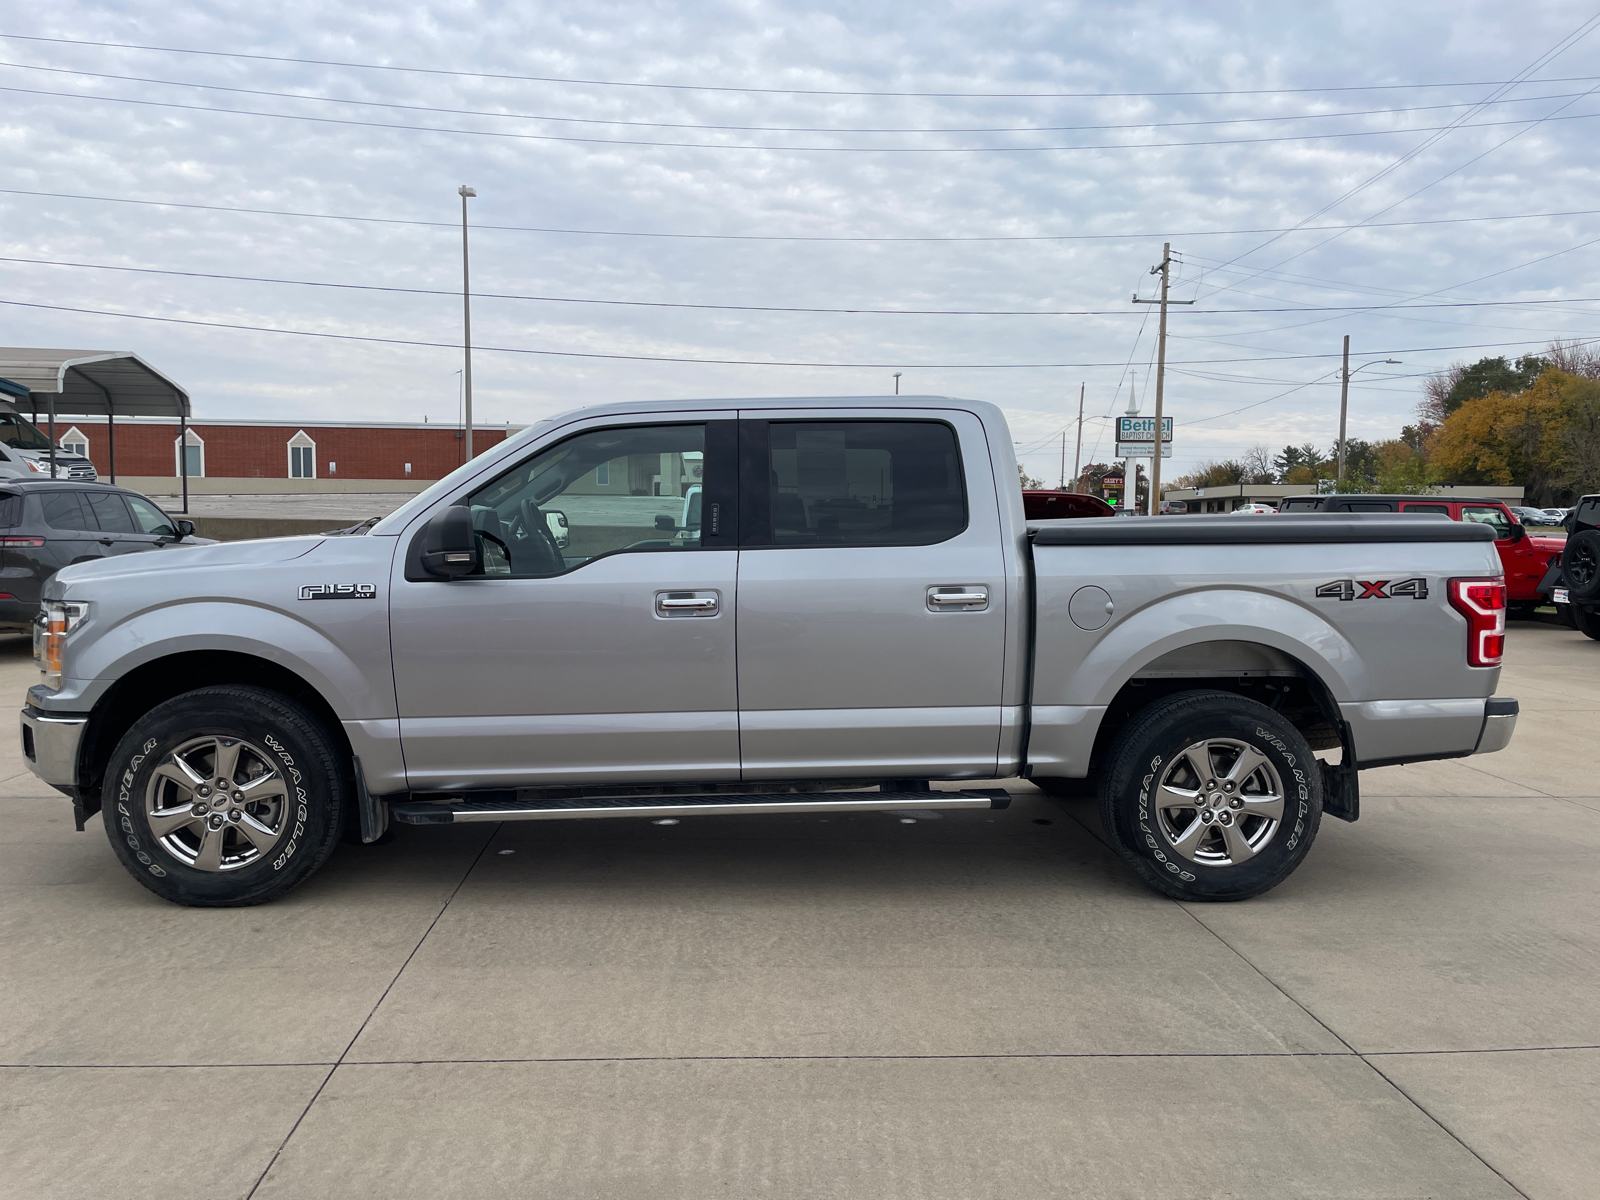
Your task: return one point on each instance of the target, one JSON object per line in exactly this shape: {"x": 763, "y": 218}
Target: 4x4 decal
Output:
{"x": 1345, "y": 589}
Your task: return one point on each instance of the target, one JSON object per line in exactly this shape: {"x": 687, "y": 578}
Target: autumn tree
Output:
{"x": 1545, "y": 437}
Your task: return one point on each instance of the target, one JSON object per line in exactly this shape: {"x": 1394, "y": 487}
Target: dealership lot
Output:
{"x": 986, "y": 1004}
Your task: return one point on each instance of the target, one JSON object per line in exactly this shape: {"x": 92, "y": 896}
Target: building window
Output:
{"x": 194, "y": 456}
{"x": 73, "y": 442}
{"x": 602, "y": 475}
{"x": 302, "y": 457}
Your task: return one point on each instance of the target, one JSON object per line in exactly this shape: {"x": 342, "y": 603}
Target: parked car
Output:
{"x": 1537, "y": 517}
{"x": 1557, "y": 516}
{"x": 45, "y": 526}
{"x": 1042, "y": 505}
{"x": 1526, "y": 557}
{"x": 1254, "y": 510}
{"x": 25, "y": 453}
{"x": 1573, "y": 580}
{"x": 1174, "y": 507}
{"x": 897, "y": 622}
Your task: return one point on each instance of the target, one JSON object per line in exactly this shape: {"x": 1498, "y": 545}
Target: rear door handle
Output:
{"x": 687, "y": 604}
{"x": 108, "y": 541}
{"x": 957, "y": 598}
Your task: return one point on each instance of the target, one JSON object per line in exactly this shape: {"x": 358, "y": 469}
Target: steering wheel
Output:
{"x": 544, "y": 556}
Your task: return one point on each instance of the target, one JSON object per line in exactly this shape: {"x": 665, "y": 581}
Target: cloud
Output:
{"x": 94, "y": 143}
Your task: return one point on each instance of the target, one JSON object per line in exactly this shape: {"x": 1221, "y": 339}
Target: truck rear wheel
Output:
{"x": 1210, "y": 796}
{"x": 1586, "y": 621}
{"x": 225, "y": 796}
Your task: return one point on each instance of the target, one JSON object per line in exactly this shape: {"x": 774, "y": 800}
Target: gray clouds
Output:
{"x": 96, "y": 146}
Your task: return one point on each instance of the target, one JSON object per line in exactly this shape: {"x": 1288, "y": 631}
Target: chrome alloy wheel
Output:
{"x": 1219, "y": 803}
{"x": 217, "y": 804}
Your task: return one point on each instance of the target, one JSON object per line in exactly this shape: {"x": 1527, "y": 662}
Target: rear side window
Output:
{"x": 66, "y": 510}
{"x": 1442, "y": 510}
{"x": 1485, "y": 515}
{"x": 10, "y": 510}
{"x": 110, "y": 512}
{"x": 1300, "y": 506}
{"x": 1588, "y": 513}
{"x": 862, "y": 483}
{"x": 1366, "y": 506}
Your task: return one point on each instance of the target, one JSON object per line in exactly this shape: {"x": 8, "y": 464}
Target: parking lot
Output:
{"x": 986, "y": 1004}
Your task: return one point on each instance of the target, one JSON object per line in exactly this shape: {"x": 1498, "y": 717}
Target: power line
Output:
{"x": 777, "y": 308}
{"x": 1565, "y": 43}
{"x": 876, "y": 366}
{"x": 501, "y": 114}
{"x": 693, "y": 87}
{"x": 768, "y": 237}
{"x": 557, "y": 137}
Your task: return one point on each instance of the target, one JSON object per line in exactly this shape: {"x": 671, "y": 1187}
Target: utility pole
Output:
{"x": 1344, "y": 406}
{"x": 1077, "y": 454}
{"x": 897, "y": 383}
{"x": 1165, "y": 271}
{"x": 466, "y": 193}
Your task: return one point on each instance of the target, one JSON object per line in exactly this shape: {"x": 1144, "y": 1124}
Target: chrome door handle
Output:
{"x": 686, "y": 604}
{"x": 956, "y": 597}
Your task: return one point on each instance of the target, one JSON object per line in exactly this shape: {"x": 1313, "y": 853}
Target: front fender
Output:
{"x": 328, "y": 657}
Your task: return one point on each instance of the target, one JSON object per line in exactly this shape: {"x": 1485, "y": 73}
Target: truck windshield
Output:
{"x": 19, "y": 433}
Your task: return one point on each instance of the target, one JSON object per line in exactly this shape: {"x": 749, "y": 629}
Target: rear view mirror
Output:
{"x": 185, "y": 529}
{"x": 450, "y": 544}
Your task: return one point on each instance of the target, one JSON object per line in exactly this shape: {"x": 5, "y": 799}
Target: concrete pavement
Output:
{"x": 981, "y": 1005}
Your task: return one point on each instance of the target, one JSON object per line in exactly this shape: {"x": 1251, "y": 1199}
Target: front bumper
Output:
{"x": 50, "y": 744}
{"x": 1499, "y": 722}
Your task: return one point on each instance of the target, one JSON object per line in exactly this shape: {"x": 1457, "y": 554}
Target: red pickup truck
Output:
{"x": 1526, "y": 557}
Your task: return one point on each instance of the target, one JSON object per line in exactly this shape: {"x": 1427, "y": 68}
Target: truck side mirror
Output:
{"x": 450, "y": 544}
{"x": 666, "y": 524}
{"x": 1518, "y": 532}
{"x": 185, "y": 529}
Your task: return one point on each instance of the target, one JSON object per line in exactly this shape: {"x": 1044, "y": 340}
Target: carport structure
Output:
{"x": 91, "y": 382}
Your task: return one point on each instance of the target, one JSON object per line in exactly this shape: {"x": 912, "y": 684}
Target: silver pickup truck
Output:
{"x": 853, "y": 607}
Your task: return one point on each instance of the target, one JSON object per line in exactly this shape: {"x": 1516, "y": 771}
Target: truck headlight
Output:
{"x": 40, "y": 465}
{"x": 57, "y": 619}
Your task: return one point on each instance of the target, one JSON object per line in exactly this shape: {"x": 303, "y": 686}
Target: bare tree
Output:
{"x": 1257, "y": 463}
{"x": 1436, "y": 389}
{"x": 1575, "y": 358}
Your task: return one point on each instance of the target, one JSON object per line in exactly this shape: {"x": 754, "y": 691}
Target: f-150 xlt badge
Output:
{"x": 1345, "y": 589}
{"x": 338, "y": 591}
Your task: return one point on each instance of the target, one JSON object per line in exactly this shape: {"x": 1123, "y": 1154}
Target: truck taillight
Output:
{"x": 1483, "y": 603}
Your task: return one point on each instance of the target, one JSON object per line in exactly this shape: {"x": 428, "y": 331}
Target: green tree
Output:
{"x": 1029, "y": 483}
{"x": 1493, "y": 375}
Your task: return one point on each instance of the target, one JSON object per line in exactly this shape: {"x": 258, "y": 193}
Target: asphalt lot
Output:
{"x": 985, "y": 1005}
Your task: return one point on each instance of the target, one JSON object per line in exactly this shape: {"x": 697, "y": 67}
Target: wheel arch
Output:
{"x": 160, "y": 679}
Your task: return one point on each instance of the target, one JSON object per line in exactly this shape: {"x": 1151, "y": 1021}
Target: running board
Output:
{"x": 463, "y": 809}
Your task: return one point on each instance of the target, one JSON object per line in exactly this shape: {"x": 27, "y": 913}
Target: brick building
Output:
{"x": 241, "y": 449}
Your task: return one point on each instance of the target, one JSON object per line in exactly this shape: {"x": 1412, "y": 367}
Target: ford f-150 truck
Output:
{"x": 856, "y": 607}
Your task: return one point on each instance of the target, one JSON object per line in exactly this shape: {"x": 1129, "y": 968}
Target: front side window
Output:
{"x": 20, "y": 433}
{"x": 864, "y": 483}
{"x": 633, "y": 488}
{"x": 149, "y": 518}
{"x": 1485, "y": 515}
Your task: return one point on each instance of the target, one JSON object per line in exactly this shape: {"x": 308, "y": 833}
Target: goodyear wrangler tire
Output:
{"x": 225, "y": 796}
{"x": 1210, "y": 796}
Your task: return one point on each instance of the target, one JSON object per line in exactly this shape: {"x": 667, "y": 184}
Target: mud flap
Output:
{"x": 83, "y": 806}
{"x": 372, "y": 810}
{"x": 1341, "y": 787}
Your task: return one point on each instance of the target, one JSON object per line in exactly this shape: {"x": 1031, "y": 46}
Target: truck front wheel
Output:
{"x": 225, "y": 796}
{"x": 1210, "y": 796}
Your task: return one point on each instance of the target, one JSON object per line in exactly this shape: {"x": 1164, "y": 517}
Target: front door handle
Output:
{"x": 686, "y": 604}
{"x": 957, "y": 598}
{"x": 108, "y": 541}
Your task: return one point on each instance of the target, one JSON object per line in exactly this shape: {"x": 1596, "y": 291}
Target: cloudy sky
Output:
{"x": 657, "y": 184}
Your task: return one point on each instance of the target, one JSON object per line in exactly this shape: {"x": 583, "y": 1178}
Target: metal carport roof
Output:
{"x": 92, "y": 382}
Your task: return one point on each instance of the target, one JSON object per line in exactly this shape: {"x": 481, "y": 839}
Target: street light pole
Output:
{"x": 897, "y": 383}
{"x": 1344, "y": 399}
{"x": 1077, "y": 454}
{"x": 466, "y": 193}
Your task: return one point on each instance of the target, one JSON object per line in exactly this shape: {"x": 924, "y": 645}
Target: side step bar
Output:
{"x": 463, "y": 809}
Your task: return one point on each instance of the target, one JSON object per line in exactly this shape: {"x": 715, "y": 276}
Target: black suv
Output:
{"x": 1574, "y": 583}
{"x": 47, "y": 525}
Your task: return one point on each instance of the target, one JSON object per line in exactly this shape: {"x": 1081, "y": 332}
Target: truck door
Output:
{"x": 609, "y": 659}
{"x": 872, "y": 602}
